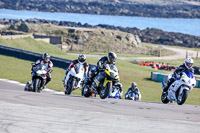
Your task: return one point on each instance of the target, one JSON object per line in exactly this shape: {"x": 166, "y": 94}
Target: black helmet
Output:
{"x": 81, "y": 58}
{"x": 46, "y": 57}
{"x": 112, "y": 57}
{"x": 133, "y": 85}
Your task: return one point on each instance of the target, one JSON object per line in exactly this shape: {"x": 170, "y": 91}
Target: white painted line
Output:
{"x": 13, "y": 82}
{"x": 21, "y": 84}
{"x": 53, "y": 91}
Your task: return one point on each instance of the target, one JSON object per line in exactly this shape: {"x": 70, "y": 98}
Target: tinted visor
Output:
{"x": 82, "y": 60}
{"x": 112, "y": 60}
{"x": 190, "y": 64}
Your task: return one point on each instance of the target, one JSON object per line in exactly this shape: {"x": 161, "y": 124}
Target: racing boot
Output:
{"x": 63, "y": 80}
{"x": 44, "y": 87}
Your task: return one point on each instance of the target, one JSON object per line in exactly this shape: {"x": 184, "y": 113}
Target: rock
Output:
{"x": 119, "y": 37}
{"x": 71, "y": 30}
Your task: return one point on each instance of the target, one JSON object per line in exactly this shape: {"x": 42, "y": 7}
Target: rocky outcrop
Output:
{"x": 145, "y": 8}
{"x": 100, "y": 40}
{"x": 154, "y": 36}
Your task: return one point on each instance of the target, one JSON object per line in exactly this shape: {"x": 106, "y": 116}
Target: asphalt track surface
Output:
{"x": 47, "y": 112}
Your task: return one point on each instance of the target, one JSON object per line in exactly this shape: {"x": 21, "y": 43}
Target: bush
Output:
{"x": 23, "y": 27}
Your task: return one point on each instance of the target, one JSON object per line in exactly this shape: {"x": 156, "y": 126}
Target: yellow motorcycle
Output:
{"x": 105, "y": 86}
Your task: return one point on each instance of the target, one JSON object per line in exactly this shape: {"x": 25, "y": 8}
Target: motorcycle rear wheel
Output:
{"x": 86, "y": 91}
{"x": 105, "y": 91}
{"x": 184, "y": 97}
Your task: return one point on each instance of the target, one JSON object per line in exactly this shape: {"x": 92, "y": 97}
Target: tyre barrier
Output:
{"x": 159, "y": 77}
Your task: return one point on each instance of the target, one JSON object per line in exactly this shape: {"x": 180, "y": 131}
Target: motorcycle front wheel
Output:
{"x": 183, "y": 97}
{"x": 105, "y": 91}
{"x": 70, "y": 87}
{"x": 36, "y": 85}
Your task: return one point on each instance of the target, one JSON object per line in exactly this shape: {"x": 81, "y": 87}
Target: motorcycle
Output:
{"x": 74, "y": 78}
{"x": 105, "y": 86}
{"x": 38, "y": 78}
{"x": 117, "y": 91}
{"x": 179, "y": 89}
{"x": 133, "y": 96}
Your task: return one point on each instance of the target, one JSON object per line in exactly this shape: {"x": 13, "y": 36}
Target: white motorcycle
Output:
{"x": 179, "y": 89}
{"x": 74, "y": 78}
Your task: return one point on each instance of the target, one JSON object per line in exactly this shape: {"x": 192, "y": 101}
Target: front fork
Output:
{"x": 106, "y": 81}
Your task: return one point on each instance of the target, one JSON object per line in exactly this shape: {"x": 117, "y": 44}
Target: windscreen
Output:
{"x": 189, "y": 74}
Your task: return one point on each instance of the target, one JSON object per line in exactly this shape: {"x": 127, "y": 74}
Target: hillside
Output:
{"x": 148, "y": 35}
{"x": 76, "y": 39}
{"x": 145, "y": 8}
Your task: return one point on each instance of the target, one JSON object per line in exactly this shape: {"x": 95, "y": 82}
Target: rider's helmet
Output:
{"x": 133, "y": 86}
{"x": 188, "y": 63}
{"x": 81, "y": 58}
{"x": 46, "y": 57}
{"x": 111, "y": 57}
{"x": 92, "y": 72}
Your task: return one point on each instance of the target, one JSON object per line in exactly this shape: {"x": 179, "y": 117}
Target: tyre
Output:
{"x": 36, "y": 85}
{"x": 184, "y": 97}
{"x": 164, "y": 98}
{"x": 105, "y": 91}
{"x": 86, "y": 91}
{"x": 70, "y": 86}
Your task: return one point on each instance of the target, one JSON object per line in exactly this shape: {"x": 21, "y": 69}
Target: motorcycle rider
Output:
{"x": 133, "y": 93}
{"x": 187, "y": 65}
{"x": 81, "y": 60}
{"x": 109, "y": 59}
{"x": 48, "y": 65}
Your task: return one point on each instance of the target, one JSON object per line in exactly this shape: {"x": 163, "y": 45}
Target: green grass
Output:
{"x": 35, "y": 46}
{"x": 19, "y": 70}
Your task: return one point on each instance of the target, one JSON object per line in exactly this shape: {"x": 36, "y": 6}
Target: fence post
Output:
{"x": 186, "y": 54}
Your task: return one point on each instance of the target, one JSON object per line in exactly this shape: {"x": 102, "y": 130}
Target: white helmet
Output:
{"x": 188, "y": 63}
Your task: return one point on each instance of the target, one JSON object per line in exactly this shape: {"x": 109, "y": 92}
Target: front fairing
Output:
{"x": 111, "y": 72}
{"x": 186, "y": 81}
{"x": 77, "y": 72}
{"x": 39, "y": 71}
